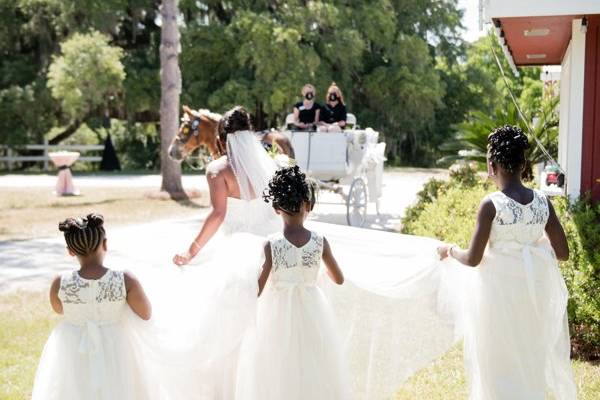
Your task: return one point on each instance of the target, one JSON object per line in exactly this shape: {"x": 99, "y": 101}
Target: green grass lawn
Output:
{"x": 445, "y": 380}
{"x": 26, "y": 321}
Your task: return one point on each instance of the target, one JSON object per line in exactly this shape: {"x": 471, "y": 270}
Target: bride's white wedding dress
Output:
{"x": 201, "y": 312}
{"x": 399, "y": 309}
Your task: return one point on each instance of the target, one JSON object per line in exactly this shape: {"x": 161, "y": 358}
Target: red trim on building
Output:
{"x": 590, "y": 162}
{"x": 552, "y": 44}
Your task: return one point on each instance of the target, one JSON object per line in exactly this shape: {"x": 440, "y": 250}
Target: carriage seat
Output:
{"x": 350, "y": 121}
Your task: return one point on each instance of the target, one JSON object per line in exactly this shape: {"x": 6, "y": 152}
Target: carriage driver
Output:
{"x": 306, "y": 112}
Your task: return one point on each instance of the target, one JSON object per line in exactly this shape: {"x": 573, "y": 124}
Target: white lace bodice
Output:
{"x": 93, "y": 300}
{"x": 516, "y": 222}
{"x": 295, "y": 265}
{"x": 254, "y": 216}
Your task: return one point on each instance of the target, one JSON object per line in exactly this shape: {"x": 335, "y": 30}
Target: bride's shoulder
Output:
{"x": 217, "y": 166}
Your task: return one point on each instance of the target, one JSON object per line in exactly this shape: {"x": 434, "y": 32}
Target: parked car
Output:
{"x": 553, "y": 176}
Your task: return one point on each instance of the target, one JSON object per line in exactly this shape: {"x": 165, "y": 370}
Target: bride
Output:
{"x": 235, "y": 180}
{"x": 202, "y": 310}
{"x": 236, "y": 228}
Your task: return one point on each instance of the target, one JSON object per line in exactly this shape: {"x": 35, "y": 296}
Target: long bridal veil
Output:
{"x": 251, "y": 164}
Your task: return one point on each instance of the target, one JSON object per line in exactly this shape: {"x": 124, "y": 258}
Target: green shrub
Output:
{"x": 451, "y": 217}
{"x": 581, "y": 222}
{"x": 463, "y": 176}
{"x": 427, "y": 195}
{"x": 447, "y": 210}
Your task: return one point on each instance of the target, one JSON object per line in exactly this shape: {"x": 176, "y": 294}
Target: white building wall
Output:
{"x": 571, "y": 110}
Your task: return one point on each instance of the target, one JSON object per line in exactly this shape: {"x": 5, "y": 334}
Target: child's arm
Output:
{"x": 473, "y": 255}
{"x": 136, "y": 297}
{"x": 556, "y": 234}
{"x": 266, "y": 269}
{"x": 333, "y": 269}
{"x": 54, "y": 300}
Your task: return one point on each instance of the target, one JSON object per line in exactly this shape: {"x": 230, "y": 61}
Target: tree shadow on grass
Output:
{"x": 189, "y": 198}
{"x": 87, "y": 203}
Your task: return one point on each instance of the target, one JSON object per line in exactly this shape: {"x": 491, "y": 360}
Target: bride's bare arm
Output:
{"x": 218, "y": 197}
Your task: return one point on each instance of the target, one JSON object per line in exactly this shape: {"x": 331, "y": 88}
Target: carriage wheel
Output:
{"x": 356, "y": 203}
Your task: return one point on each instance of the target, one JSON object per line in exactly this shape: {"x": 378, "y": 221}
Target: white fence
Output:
{"x": 11, "y": 155}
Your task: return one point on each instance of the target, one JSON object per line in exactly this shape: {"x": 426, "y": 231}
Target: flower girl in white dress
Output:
{"x": 293, "y": 351}
{"x": 516, "y": 333}
{"x": 89, "y": 355}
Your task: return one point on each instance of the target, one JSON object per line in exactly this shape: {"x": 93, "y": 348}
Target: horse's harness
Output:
{"x": 193, "y": 126}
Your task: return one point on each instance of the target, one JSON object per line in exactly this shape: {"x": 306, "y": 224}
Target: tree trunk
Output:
{"x": 170, "y": 82}
{"x": 69, "y": 130}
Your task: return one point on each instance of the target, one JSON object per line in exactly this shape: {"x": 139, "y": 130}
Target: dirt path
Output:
{"x": 135, "y": 224}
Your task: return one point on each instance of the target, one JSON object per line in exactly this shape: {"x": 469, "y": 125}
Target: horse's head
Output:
{"x": 198, "y": 128}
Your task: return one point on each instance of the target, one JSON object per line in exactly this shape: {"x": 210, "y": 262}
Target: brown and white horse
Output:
{"x": 201, "y": 128}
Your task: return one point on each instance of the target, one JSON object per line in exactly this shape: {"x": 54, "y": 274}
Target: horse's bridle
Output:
{"x": 193, "y": 126}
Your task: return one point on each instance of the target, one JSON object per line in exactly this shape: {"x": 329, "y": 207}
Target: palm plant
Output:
{"x": 470, "y": 141}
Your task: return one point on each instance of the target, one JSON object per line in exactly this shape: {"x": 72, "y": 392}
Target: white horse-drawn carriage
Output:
{"x": 349, "y": 163}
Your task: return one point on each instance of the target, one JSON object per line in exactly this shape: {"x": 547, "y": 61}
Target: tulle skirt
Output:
{"x": 390, "y": 318}
{"x": 75, "y": 367}
{"x": 402, "y": 308}
{"x": 516, "y": 332}
{"x": 200, "y": 315}
{"x": 294, "y": 350}
{"x": 396, "y": 310}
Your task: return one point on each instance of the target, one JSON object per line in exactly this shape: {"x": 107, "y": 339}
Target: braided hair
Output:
{"x": 506, "y": 148}
{"x": 83, "y": 235}
{"x": 236, "y": 119}
{"x": 289, "y": 189}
